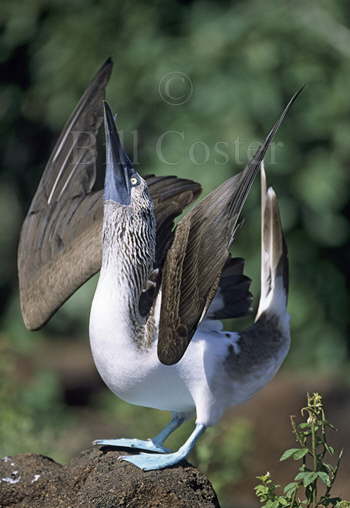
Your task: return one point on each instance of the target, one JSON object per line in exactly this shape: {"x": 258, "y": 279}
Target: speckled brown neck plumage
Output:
{"x": 128, "y": 255}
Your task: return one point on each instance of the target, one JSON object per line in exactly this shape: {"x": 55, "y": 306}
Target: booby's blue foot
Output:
{"x": 150, "y": 462}
{"x": 150, "y": 445}
{"x": 138, "y": 444}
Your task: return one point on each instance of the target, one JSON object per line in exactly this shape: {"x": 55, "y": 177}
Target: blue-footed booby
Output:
{"x": 156, "y": 329}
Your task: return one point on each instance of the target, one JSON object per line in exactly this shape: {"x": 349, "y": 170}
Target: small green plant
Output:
{"x": 314, "y": 481}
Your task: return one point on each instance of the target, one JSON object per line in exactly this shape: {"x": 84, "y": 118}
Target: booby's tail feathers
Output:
{"x": 274, "y": 256}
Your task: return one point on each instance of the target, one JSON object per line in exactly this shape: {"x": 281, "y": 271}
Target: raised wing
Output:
{"x": 170, "y": 195}
{"x": 58, "y": 250}
{"x": 60, "y": 242}
{"x": 198, "y": 254}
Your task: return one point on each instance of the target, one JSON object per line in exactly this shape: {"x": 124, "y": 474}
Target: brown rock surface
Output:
{"x": 96, "y": 479}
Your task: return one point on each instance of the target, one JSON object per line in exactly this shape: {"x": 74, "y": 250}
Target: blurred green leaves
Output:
{"x": 32, "y": 415}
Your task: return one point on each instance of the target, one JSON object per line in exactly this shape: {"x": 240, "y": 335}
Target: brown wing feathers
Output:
{"x": 170, "y": 195}
{"x": 64, "y": 218}
{"x": 60, "y": 243}
{"x": 198, "y": 254}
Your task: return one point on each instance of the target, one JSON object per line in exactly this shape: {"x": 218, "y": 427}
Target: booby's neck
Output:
{"x": 128, "y": 251}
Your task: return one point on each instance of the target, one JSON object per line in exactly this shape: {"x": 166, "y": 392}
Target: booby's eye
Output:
{"x": 134, "y": 180}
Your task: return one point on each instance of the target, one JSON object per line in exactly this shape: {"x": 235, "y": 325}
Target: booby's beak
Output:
{"x": 118, "y": 166}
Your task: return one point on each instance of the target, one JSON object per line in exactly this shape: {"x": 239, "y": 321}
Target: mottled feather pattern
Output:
{"x": 262, "y": 343}
{"x": 129, "y": 239}
{"x": 125, "y": 235}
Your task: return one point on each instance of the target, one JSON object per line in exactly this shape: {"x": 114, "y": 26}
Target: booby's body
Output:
{"x": 219, "y": 369}
{"x": 155, "y": 326}
{"x": 212, "y": 375}
{"x": 204, "y": 381}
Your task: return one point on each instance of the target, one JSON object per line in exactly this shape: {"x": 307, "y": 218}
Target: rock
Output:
{"x": 96, "y": 479}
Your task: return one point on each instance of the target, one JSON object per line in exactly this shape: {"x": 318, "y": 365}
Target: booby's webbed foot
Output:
{"x": 150, "y": 462}
{"x": 139, "y": 444}
{"x": 150, "y": 445}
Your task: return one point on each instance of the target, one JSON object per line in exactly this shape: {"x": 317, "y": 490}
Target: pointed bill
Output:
{"x": 118, "y": 166}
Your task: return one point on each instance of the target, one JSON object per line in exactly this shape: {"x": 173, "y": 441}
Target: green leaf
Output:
{"x": 270, "y": 504}
{"x": 324, "y": 478}
{"x": 329, "y": 449}
{"x": 329, "y": 467}
{"x": 261, "y": 490}
{"x": 289, "y": 453}
{"x": 290, "y": 487}
{"x": 307, "y": 477}
{"x": 300, "y": 453}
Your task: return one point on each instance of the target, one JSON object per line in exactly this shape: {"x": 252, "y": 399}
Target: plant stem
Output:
{"x": 314, "y": 456}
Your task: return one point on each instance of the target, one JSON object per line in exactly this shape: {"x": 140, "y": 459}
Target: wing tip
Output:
{"x": 169, "y": 357}
{"x": 31, "y": 324}
{"x": 271, "y": 194}
{"x": 106, "y": 66}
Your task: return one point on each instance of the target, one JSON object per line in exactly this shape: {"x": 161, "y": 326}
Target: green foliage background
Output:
{"x": 244, "y": 59}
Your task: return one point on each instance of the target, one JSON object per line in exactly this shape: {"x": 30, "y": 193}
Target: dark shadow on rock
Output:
{"x": 96, "y": 479}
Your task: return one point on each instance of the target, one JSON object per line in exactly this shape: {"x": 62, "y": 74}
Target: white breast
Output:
{"x": 198, "y": 382}
{"x": 133, "y": 374}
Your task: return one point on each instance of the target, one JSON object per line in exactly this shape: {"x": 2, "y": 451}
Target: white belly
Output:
{"x": 139, "y": 378}
{"x": 198, "y": 382}
{"x": 133, "y": 374}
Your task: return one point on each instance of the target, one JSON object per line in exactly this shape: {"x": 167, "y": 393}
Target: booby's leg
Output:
{"x": 163, "y": 435}
{"x": 149, "y": 461}
{"x": 153, "y": 445}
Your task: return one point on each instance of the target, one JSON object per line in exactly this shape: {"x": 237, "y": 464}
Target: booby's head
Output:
{"x": 123, "y": 185}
